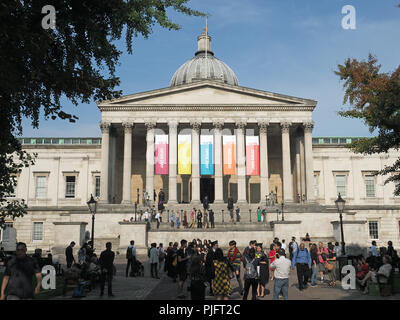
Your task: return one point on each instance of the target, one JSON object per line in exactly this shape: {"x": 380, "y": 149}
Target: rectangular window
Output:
{"x": 370, "y": 186}
{"x": 70, "y": 187}
{"x": 315, "y": 185}
{"x": 97, "y": 187}
{"x": 373, "y": 230}
{"x": 41, "y": 187}
{"x": 37, "y": 231}
{"x": 12, "y": 194}
{"x": 4, "y": 236}
{"x": 341, "y": 185}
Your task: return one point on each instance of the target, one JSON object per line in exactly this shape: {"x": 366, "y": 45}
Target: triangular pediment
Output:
{"x": 207, "y": 93}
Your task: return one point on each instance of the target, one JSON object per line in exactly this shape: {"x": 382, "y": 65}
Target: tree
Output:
{"x": 75, "y": 60}
{"x": 374, "y": 97}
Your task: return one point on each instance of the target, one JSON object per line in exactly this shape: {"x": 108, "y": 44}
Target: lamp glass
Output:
{"x": 340, "y": 203}
{"x": 92, "y": 204}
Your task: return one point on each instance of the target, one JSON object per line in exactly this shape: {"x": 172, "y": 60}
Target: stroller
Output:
{"x": 137, "y": 269}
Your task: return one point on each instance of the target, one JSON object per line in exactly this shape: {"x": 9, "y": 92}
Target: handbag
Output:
{"x": 329, "y": 266}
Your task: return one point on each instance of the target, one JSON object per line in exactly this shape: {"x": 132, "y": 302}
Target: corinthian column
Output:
{"x": 150, "y": 160}
{"x": 241, "y": 162}
{"x": 105, "y": 146}
{"x": 195, "y": 162}
{"x": 308, "y": 127}
{"x": 173, "y": 152}
{"x": 127, "y": 173}
{"x": 219, "y": 186}
{"x": 263, "y": 160}
{"x": 287, "y": 181}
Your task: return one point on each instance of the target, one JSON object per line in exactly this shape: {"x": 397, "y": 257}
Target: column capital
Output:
{"x": 285, "y": 126}
{"x": 173, "y": 124}
{"x": 218, "y": 124}
{"x": 308, "y": 126}
{"x": 128, "y": 126}
{"x": 196, "y": 125}
{"x": 241, "y": 124}
{"x": 263, "y": 125}
{"x": 105, "y": 127}
{"x": 149, "y": 125}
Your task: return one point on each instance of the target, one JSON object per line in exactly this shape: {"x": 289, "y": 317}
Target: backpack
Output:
{"x": 129, "y": 253}
{"x": 250, "y": 271}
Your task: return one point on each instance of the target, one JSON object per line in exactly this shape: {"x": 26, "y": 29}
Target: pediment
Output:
{"x": 207, "y": 93}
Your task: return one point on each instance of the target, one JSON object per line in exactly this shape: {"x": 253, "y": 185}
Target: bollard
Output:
{"x": 168, "y": 216}
{"x": 250, "y": 214}
{"x": 222, "y": 215}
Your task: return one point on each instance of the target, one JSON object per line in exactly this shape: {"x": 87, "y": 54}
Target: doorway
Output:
{"x": 207, "y": 189}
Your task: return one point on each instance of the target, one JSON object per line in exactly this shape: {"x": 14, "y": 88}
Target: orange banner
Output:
{"x": 229, "y": 154}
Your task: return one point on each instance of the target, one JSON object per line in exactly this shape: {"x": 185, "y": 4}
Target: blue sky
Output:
{"x": 285, "y": 46}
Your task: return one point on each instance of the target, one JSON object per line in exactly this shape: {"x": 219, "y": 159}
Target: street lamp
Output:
{"x": 283, "y": 216}
{"x": 135, "y": 210}
{"x": 92, "y": 204}
{"x": 340, "y": 206}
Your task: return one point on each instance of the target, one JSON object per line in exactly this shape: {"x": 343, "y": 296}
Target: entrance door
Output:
{"x": 207, "y": 189}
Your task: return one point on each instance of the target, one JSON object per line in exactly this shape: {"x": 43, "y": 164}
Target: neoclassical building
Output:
{"x": 204, "y": 135}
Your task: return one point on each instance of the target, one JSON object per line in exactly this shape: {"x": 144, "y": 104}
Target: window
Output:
{"x": 373, "y": 230}
{"x": 70, "y": 187}
{"x": 315, "y": 185}
{"x": 37, "y": 231}
{"x": 370, "y": 186}
{"x": 12, "y": 195}
{"x": 341, "y": 185}
{"x": 4, "y": 236}
{"x": 41, "y": 187}
{"x": 97, "y": 186}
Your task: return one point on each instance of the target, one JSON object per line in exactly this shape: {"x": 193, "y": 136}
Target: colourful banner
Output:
{"x": 229, "y": 154}
{"x": 161, "y": 154}
{"x": 184, "y": 154}
{"x": 252, "y": 156}
{"x": 206, "y": 155}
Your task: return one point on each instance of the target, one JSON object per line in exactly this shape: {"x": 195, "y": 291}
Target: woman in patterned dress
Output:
{"x": 221, "y": 284}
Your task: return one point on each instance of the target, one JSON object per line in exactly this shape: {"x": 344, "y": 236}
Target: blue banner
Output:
{"x": 206, "y": 155}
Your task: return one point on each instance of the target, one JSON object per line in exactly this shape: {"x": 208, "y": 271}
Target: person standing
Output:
{"x": 157, "y": 217}
{"x": 69, "y": 254}
{"x": 209, "y": 264}
{"x": 281, "y": 267}
{"x": 283, "y": 245}
{"x": 258, "y": 214}
{"x": 263, "y": 270}
{"x": 322, "y": 254}
{"x": 172, "y": 218}
{"x": 131, "y": 259}
{"x": 237, "y": 214}
{"x": 197, "y": 279}
{"x": 211, "y": 218}
{"x": 18, "y": 276}
{"x": 106, "y": 262}
{"x": 221, "y": 282}
{"x": 331, "y": 261}
{"x": 178, "y": 220}
{"x": 314, "y": 265}
{"x": 161, "y": 256}
{"x": 250, "y": 275}
{"x": 199, "y": 217}
{"x": 302, "y": 261}
{"x": 293, "y": 246}
{"x": 185, "y": 221}
{"x": 235, "y": 258}
{"x": 183, "y": 257}
{"x": 82, "y": 254}
{"x": 192, "y": 218}
{"x": 230, "y": 207}
{"x": 205, "y": 219}
{"x": 272, "y": 257}
{"x": 153, "y": 260}
{"x": 146, "y": 215}
{"x": 205, "y": 203}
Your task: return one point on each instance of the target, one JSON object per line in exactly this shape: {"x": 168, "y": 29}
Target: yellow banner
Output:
{"x": 184, "y": 154}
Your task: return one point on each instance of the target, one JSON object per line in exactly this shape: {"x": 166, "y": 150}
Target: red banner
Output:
{"x": 252, "y": 156}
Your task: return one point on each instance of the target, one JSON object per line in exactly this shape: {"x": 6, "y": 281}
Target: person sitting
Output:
{"x": 93, "y": 272}
{"x": 381, "y": 276}
{"x": 362, "y": 270}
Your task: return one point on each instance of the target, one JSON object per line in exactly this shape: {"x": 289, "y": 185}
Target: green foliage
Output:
{"x": 76, "y": 60}
{"x": 374, "y": 97}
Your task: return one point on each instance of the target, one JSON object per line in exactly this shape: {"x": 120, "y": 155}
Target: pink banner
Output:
{"x": 161, "y": 154}
{"x": 252, "y": 156}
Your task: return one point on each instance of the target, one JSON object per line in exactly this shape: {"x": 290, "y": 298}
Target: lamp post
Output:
{"x": 135, "y": 210}
{"x": 340, "y": 206}
{"x": 92, "y": 204}
{"x": 283, "y": 216}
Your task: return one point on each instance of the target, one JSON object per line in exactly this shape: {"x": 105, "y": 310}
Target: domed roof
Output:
{"x": 204, "y": 65}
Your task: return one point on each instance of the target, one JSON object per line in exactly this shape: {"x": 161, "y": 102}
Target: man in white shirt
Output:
{"x": 281, "y": 267}
{"x": 146, "y": 216}
{"x": 283, "y": 245}
{"x": 157, "y": 217}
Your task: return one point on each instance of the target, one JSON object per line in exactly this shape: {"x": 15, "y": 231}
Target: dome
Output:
{"x": 204, "y": 65}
